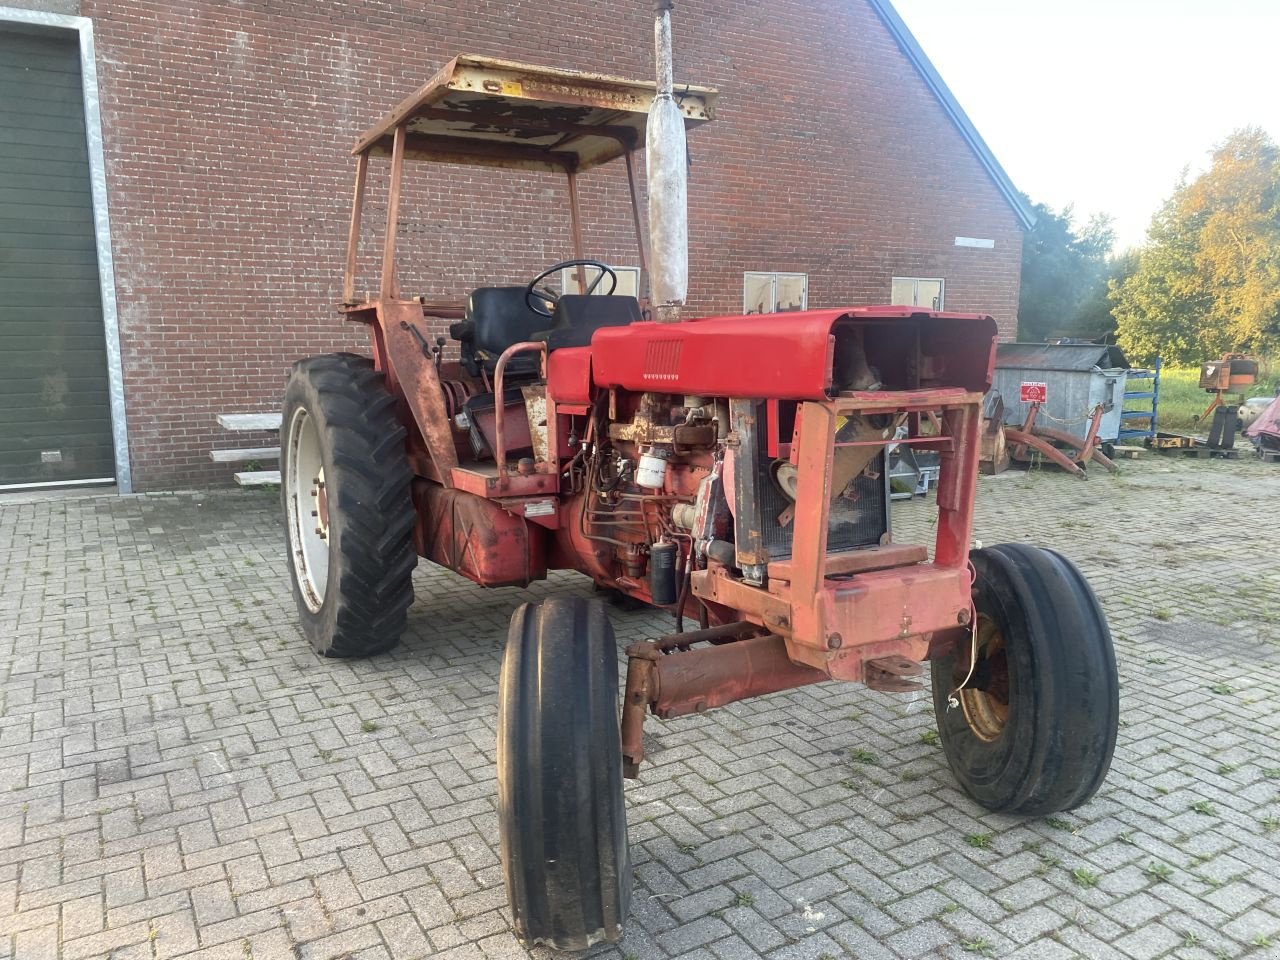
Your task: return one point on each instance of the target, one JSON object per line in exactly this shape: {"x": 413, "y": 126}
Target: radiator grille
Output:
{"x": 853, "y": 523}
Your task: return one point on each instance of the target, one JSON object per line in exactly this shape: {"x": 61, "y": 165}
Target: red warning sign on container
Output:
{"x": 1034, "y": 391}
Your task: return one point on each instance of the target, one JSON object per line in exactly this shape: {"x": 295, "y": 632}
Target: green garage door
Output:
{"x": 55, "y": 417}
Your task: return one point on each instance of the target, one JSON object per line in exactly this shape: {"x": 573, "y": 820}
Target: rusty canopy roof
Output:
{"x": 500, "y": 113}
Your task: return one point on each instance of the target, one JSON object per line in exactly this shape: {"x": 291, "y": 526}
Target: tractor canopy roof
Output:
{"x": 498, "y": 113}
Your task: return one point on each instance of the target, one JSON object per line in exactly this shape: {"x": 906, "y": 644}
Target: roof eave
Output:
{"x": 920, "y": 60}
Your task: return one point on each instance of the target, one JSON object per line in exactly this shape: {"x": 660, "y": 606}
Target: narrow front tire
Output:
{"x": 561, "y": 811}
{"x": 1034, "y": 728}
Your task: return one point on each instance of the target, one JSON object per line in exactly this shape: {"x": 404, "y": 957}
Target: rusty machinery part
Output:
{"x": 893, "y": 674}
{"x": 671, "y": 679}
{"x": 1042, "y": 663}
{"x": 786, "y": 477}
{"x": 344, "y": 472}
{"x": 561, "y": 815}
{"x": 456, "y": 394}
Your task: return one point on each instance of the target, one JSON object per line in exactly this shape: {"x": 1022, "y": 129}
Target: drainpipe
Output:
{"x": 668, "y": 191}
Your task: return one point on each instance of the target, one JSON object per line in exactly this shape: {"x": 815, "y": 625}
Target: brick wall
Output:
{"x": 228, "y": 128}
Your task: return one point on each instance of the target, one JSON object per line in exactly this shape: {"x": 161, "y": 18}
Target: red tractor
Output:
{"x": 728, "y": 469}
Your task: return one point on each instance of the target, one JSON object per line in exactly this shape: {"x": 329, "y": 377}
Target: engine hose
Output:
{"x": 685, "y": 585}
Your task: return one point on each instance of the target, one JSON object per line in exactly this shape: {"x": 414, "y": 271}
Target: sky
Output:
{"x": 1102, "y": 103}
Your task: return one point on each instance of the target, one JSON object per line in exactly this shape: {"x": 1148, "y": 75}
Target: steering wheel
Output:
{"x": 536, "y": 298}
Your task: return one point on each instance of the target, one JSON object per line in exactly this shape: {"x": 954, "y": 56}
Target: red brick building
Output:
{"x": 224, "y": 168}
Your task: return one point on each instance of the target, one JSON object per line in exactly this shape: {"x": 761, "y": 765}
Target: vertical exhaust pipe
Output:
{"x": 667, "y": 164}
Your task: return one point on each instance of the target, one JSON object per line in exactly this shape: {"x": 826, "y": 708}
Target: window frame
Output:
{"x": 915, "y": 291}
{"x": 567, "y": 277}
{"x": 774, "y": 276}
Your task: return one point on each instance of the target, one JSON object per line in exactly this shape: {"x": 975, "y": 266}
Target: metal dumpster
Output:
{"x": 1073, "y": 378}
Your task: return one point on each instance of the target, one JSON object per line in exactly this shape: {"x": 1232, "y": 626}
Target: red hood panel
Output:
{"x": 784, "y": 356}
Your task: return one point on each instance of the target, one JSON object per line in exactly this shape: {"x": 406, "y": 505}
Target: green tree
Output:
{"x": 1208, "y": 279}
{"x": 1064, "y": 272}
{"x": 1095, "y": 319}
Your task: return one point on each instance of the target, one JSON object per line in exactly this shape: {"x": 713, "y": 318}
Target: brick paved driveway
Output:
{"x": 179, "y": 776}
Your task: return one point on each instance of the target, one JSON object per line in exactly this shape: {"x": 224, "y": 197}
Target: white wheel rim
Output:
{"x": 307, "y": 509}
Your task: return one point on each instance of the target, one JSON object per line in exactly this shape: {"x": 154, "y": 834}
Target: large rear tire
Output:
{"x": 1035, "y": 728}
{"x": 561, "y": 811}
{"x": 344, "y": 487}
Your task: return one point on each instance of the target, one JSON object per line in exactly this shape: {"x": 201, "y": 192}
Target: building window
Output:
{"x": 628, "y": 280}
{"x": 774, "y": 292}
{"x": 918, "y": 292}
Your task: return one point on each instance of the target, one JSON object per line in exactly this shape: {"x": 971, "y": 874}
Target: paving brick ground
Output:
{"x": 180, "y": 777}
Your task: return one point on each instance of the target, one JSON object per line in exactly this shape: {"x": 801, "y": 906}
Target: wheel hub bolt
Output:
{"x": 963, "y": 616}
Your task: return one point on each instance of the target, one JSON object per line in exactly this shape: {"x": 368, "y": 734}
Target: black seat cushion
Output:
{"x": 578, "y": 316}
{"x": 496, "y": 318}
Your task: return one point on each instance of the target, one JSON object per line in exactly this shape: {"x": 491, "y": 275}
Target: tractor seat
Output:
{"x": 495, "y": 318}
{"x": 578, "y": 316}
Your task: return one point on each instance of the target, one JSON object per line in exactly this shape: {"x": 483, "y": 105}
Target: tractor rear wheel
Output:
{"x": 344, "y": 486}
{"x": 561, "y": 811}
{"x": 1035, "y": 726}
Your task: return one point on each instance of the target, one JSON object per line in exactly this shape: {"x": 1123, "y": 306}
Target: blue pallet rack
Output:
{"x": 1147, "y": 430}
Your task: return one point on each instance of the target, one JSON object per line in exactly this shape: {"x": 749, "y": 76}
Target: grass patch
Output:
{"x": 930, "y": 737}
{"x": 1223, "y": 689}
{"x": 1204, "y": 808}
{"x": 368, "y": 726}
{"x": 980, "y": 841}
{"x": 1084, "y": 877}
{"x": 978, "y": 945}
{"x": 865, "y": 757}
{"x": 1157, "y": 870}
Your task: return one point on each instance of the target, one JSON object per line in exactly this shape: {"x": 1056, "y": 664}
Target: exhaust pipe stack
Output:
{"x": 667, "y": 165}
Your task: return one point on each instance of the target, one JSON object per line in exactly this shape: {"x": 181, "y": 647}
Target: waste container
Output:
{"x": 1072, "y": 378}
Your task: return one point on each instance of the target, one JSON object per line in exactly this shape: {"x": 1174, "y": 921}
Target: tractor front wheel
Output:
{"x": 561, "y": 812}
{"x": 1034, "y": 727}
{"x": 344, "y": 486}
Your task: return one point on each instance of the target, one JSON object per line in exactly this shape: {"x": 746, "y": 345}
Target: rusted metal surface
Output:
{"x": 698, "y": 680}
{"x": 502, "y": 113}
{"x": 477, "y": 537}
{"x": 636, "y": 698}
{"x": 499, "y": 376}
{"x": 1021, "y": 440}
{"x": 1042, "y": 439}
{"x": 413, "y": 374}
{"x": 388, "y": 287}
{"x": 484, "y": 153}
{"x": 535, "y": 405}
{"x": 575, "y": 229}
{"x": 483, "y": 481}
{"x": 723, "y": 633}
{"x": 670, "y": 680}
{"x": 858, "y": 561}
{"x": 957, "y": 487}
{"x": 745, "y": 449}
{"x": 353, "y": 232}
{"x": 893, "y": 674}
